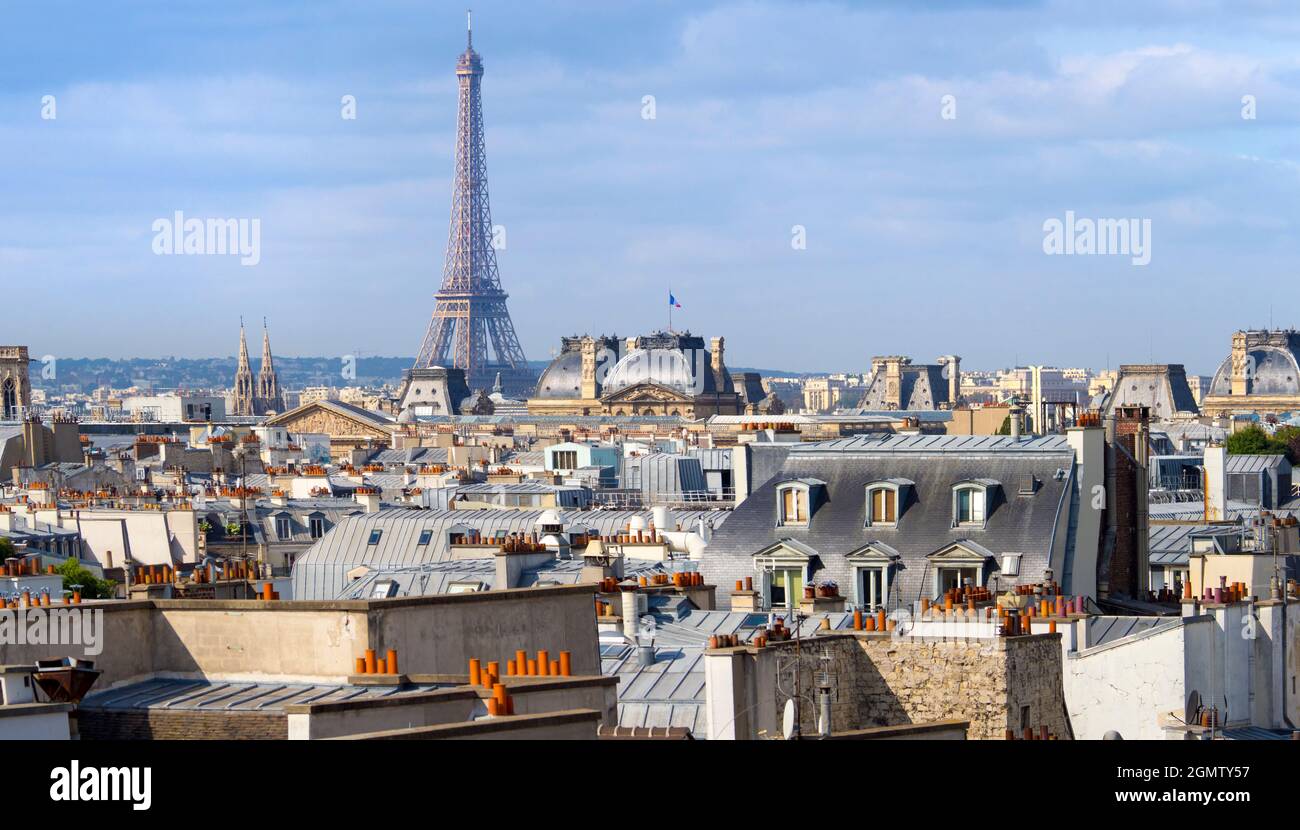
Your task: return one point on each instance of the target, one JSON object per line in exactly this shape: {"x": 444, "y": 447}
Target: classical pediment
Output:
{"x": 646, "y": 393}
{"x": 784, "y": 552}
{"x": 874, "y": 552}
{"x": 963, "y": 552}
{"x": 331, "y": 420}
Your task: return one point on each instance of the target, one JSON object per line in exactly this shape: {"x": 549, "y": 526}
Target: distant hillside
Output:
{"x": 88, "y": 373}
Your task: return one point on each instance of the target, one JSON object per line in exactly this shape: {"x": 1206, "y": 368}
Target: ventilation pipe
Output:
{"x": 1016, "y": 415}
{"x": 631, "y": 615}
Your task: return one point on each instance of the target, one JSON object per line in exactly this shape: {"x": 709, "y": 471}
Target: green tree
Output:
{"x": 1251, "y": 441}
{"x": 92, "y": 587}
{"x": 6, "y": 548}
{"x": 1289, "y": 439}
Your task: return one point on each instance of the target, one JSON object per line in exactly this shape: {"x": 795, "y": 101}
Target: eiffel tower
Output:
{"x": 470, "y": 313}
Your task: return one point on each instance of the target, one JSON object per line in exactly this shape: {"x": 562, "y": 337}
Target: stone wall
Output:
{"x": 96, "y": 725}
{"x": 996, "y": 684}
{"x": 318, "y": 642}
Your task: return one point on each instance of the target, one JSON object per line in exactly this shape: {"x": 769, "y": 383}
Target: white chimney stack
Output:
{"x": 1215, "y": 465}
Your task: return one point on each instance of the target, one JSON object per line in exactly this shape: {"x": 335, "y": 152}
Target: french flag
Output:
{"x": 672, "y": 301}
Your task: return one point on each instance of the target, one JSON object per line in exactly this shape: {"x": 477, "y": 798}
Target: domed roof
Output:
{"x": 665, "y": 367}
{"x": 1273, "y": 370}
{"x": 563, "y": 378}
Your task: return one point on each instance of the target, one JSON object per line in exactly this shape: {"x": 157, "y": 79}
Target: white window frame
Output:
{"x": 781, "y": 557}
{"x": 861, "y": 597}
{"x": 979, "y": 502}
{"x": 874, "y": 488}
{"x": 802, "y": 499}
{"x": 769, "y": 579}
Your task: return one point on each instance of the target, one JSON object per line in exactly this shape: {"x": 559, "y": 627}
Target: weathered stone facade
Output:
{"x": 996, "y": 685}
{"x": 15, "y": 384}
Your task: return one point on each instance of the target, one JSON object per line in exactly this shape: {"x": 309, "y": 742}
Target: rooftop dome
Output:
{"x": 563, "y": 378}
{"x": 1273, "y": 370}
{"x": 664, "y": 367}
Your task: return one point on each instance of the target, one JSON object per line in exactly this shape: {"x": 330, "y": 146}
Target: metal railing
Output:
{"x": 637, "y": 500}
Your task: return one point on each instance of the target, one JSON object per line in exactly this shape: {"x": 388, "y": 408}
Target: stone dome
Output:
{"x": 563, "y": 378}
{"x": 1275, "y": 370}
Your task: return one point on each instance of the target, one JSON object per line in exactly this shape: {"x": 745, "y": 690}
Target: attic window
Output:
{"x": 1030, "y": 485}
{"x": 968, "y": 505}
{"x": 883, "y": 505}
{"x": 426, "y": 536}
{"x": 375, "y": 536}
{"x": 1011, "y": 564}
{"x": 384, "y": 589}
{"x": 886, "y": 501}
{"x": 792, "y": 504}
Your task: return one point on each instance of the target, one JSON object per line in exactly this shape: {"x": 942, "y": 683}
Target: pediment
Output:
{"x": 963, "y": 552}
{"x": 647, "y": 393}
{"x": 318, "y": 417}
{"x": 786, "y": 550}
{"x": 874, "y": 552}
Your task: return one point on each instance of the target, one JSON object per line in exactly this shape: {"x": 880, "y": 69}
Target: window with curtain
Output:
{"x": 794, "y": 506}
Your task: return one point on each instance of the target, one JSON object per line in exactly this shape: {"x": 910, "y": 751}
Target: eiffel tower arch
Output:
{"x": 471, "y": 329}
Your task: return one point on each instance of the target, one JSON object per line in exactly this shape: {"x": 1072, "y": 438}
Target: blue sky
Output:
{"x": 924, "y": 235}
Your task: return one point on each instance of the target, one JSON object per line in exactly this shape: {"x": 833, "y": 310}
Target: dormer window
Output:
{"x": 795, "y": 501}
{"x": 886, "y": 500}
{"x": 970, "y": 506}
{"x": 794, "y": 506}
{"x": 884, "y": 506}
{"x": 972, "y": 501}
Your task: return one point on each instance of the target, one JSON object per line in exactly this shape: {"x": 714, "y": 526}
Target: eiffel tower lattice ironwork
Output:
{"x": 471, "y": 327}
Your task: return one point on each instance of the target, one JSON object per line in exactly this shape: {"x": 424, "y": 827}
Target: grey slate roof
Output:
{"x": 658, "y": 473}
{"x": 1162, "y": 388}
{"x": 1025, "y": 524}
{"x": 439, "y": 577}
{"x": 203, "y": 695}
{"x": 671, "y": 691}
{"x": 320, "y": 573}
{"x": 413, "y": 456}
{"x": 1171, "y": 544}
{"x": 1254, "y": 463}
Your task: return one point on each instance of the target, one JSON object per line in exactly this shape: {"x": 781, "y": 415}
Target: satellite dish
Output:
{"x": 787, "y": 720}
{"x": 1193, "y": 710}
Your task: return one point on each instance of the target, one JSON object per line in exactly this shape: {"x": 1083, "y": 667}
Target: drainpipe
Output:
{"x": 1285, "y": 718}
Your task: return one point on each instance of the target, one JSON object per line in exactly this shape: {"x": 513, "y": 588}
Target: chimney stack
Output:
{"x": 368, "y": 497}
{"x": 1216, "y": 483}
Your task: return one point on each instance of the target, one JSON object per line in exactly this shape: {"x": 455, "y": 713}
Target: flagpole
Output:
{"x": 670, "y": 308}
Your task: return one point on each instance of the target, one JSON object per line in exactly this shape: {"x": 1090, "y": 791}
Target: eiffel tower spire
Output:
{"x": 471, "y": 327}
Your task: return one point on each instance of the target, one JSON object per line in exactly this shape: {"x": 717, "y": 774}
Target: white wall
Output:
{"x": 40, "y": 725}
{"x": 1128, "y": 684}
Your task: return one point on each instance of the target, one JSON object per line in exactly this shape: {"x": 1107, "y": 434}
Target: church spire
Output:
{"x": 242, "y": 399}
{"x": 268, "y": 383}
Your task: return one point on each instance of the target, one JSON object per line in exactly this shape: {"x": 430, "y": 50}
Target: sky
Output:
{"x": 773, "y": 122}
